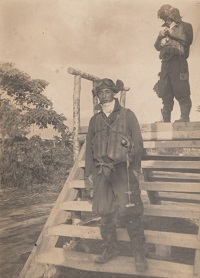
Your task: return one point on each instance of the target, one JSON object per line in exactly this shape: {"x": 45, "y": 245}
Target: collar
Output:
{"x": 116, "y": 107}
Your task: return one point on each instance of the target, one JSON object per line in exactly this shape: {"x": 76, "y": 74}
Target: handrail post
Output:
{"x": 95, "y": 100}
{"x": 76, "y": 114}
{"x": 122, "y": 98}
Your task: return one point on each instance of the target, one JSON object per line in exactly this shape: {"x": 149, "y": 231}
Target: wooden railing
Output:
{"x": 78, "y": 75}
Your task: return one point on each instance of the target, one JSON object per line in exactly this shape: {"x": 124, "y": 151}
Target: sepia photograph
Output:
{"x": 100, "y": 139}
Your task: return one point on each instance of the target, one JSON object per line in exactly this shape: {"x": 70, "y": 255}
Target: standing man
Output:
{"x": 113, "y": 157}
{"x": 174, "y": 45}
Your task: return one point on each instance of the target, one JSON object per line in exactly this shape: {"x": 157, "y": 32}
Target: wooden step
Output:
{"x": 151, "y": 186}
{"x": 186, "y": 211}
{"x": 171, "y": 186}
{"x": 172, "y": 144}
{"x": 160, "y": 164}
{"x": 171, "y": 135}
{"x": 160, "y": 127}
{"x": 179, "y": 126}
{"x": 156, "y": 237}
{"x": 156, "y": 144}
{"x": 175, "y": 165}
{"x": 174, "y": 177}
{"x": 79, "y": 184}
{"x": 171, "y": 158}
{"x": 180, "y": 196}
{"x": 121, "y": 265}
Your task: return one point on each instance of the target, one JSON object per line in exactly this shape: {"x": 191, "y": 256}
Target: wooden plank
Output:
{"x": 182, "y": 196}
{"x": 176, "y": 175}
{"x": 170, "y": 186}
{"x": 160, "y": 164}
{"x": 121, "y": 265}
{"x": 151, "y": 186}
{"x": 188, "y": 211}
{"x": 159, "y": 127}
{"x": 172, "y": 144}
{"x": 82, "y": 74}
{"x": 163, "y": 251}
{"x": 157, "y": 144}
{"x": 171, "y": 158}
{"x": 171, "y": 135}
{"x": 197, "y": 257}
{"x": 81, "y": 164}
{"x": 157, "y": 237}
{"x": 79, "y": 184}
{"x": 169, "y": 176}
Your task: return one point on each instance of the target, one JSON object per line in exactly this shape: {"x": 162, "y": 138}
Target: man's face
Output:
{"x": 168, "y": 21}
{"x": 105, "y": 96}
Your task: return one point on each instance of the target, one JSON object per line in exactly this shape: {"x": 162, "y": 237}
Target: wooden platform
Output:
{"x": 171, "y": 178}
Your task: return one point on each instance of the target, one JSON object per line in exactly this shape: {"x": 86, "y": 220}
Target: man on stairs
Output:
{"x": 174, "y": 42}
{"x": 113, "y": 158}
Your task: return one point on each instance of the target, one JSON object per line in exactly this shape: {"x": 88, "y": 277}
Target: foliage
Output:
{"x": 28, "y": 96}
{"x": 26, "y": 161}
{"x": 12, "y": 123}
{"x": 34, "y": 161}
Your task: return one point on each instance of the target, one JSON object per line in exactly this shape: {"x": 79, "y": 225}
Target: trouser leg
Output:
{"x": 168, "y": 103}
{"x": 166, "y": 92}
{"x": 179, "y": 76}
{"x": 104, "y": 205}
{"x": 185, "y": 108}
{"x": 108, "y": 233}
{"x": 131, "y": 216}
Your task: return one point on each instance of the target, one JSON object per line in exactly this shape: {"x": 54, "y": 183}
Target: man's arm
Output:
{"x": 183, "y": 34}
{"x": 89, "y": 161}
{"x": 158, "y": 44}
{"x": 135, "y": 133}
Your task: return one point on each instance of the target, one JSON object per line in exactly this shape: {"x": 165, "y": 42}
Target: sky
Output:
{"x": 106, "y": 38}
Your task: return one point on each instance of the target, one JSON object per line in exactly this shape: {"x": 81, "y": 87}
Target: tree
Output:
{"x": 27, "y": 95}
{"x": 23, "y": 103}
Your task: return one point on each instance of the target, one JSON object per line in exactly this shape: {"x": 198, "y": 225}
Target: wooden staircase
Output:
{"x": 170, "y": 184}
{"x": 175, "y": 177}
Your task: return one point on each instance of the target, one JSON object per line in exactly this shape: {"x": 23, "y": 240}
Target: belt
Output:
{"x": 100, "y": 163}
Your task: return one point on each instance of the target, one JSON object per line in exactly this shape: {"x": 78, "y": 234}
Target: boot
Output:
{"x": 110, "y": 252}
{"x": 185, "y": 112}
{"x": 166, "y": 117}
{"x": 140, "y": 260}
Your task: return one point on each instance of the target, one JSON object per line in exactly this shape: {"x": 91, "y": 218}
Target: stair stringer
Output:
{"x": 33, "y": 269}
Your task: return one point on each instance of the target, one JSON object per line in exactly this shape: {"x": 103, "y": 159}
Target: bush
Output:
{"x": 25, "y": 162}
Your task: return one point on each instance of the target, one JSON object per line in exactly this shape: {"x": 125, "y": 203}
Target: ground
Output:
{"x": 23, "y": 215}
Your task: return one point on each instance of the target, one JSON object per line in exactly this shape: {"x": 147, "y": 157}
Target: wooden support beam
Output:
{"x": 56, "y": 217}
{"x": 82, "y": 74}
{"x": 76, "y": 114}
